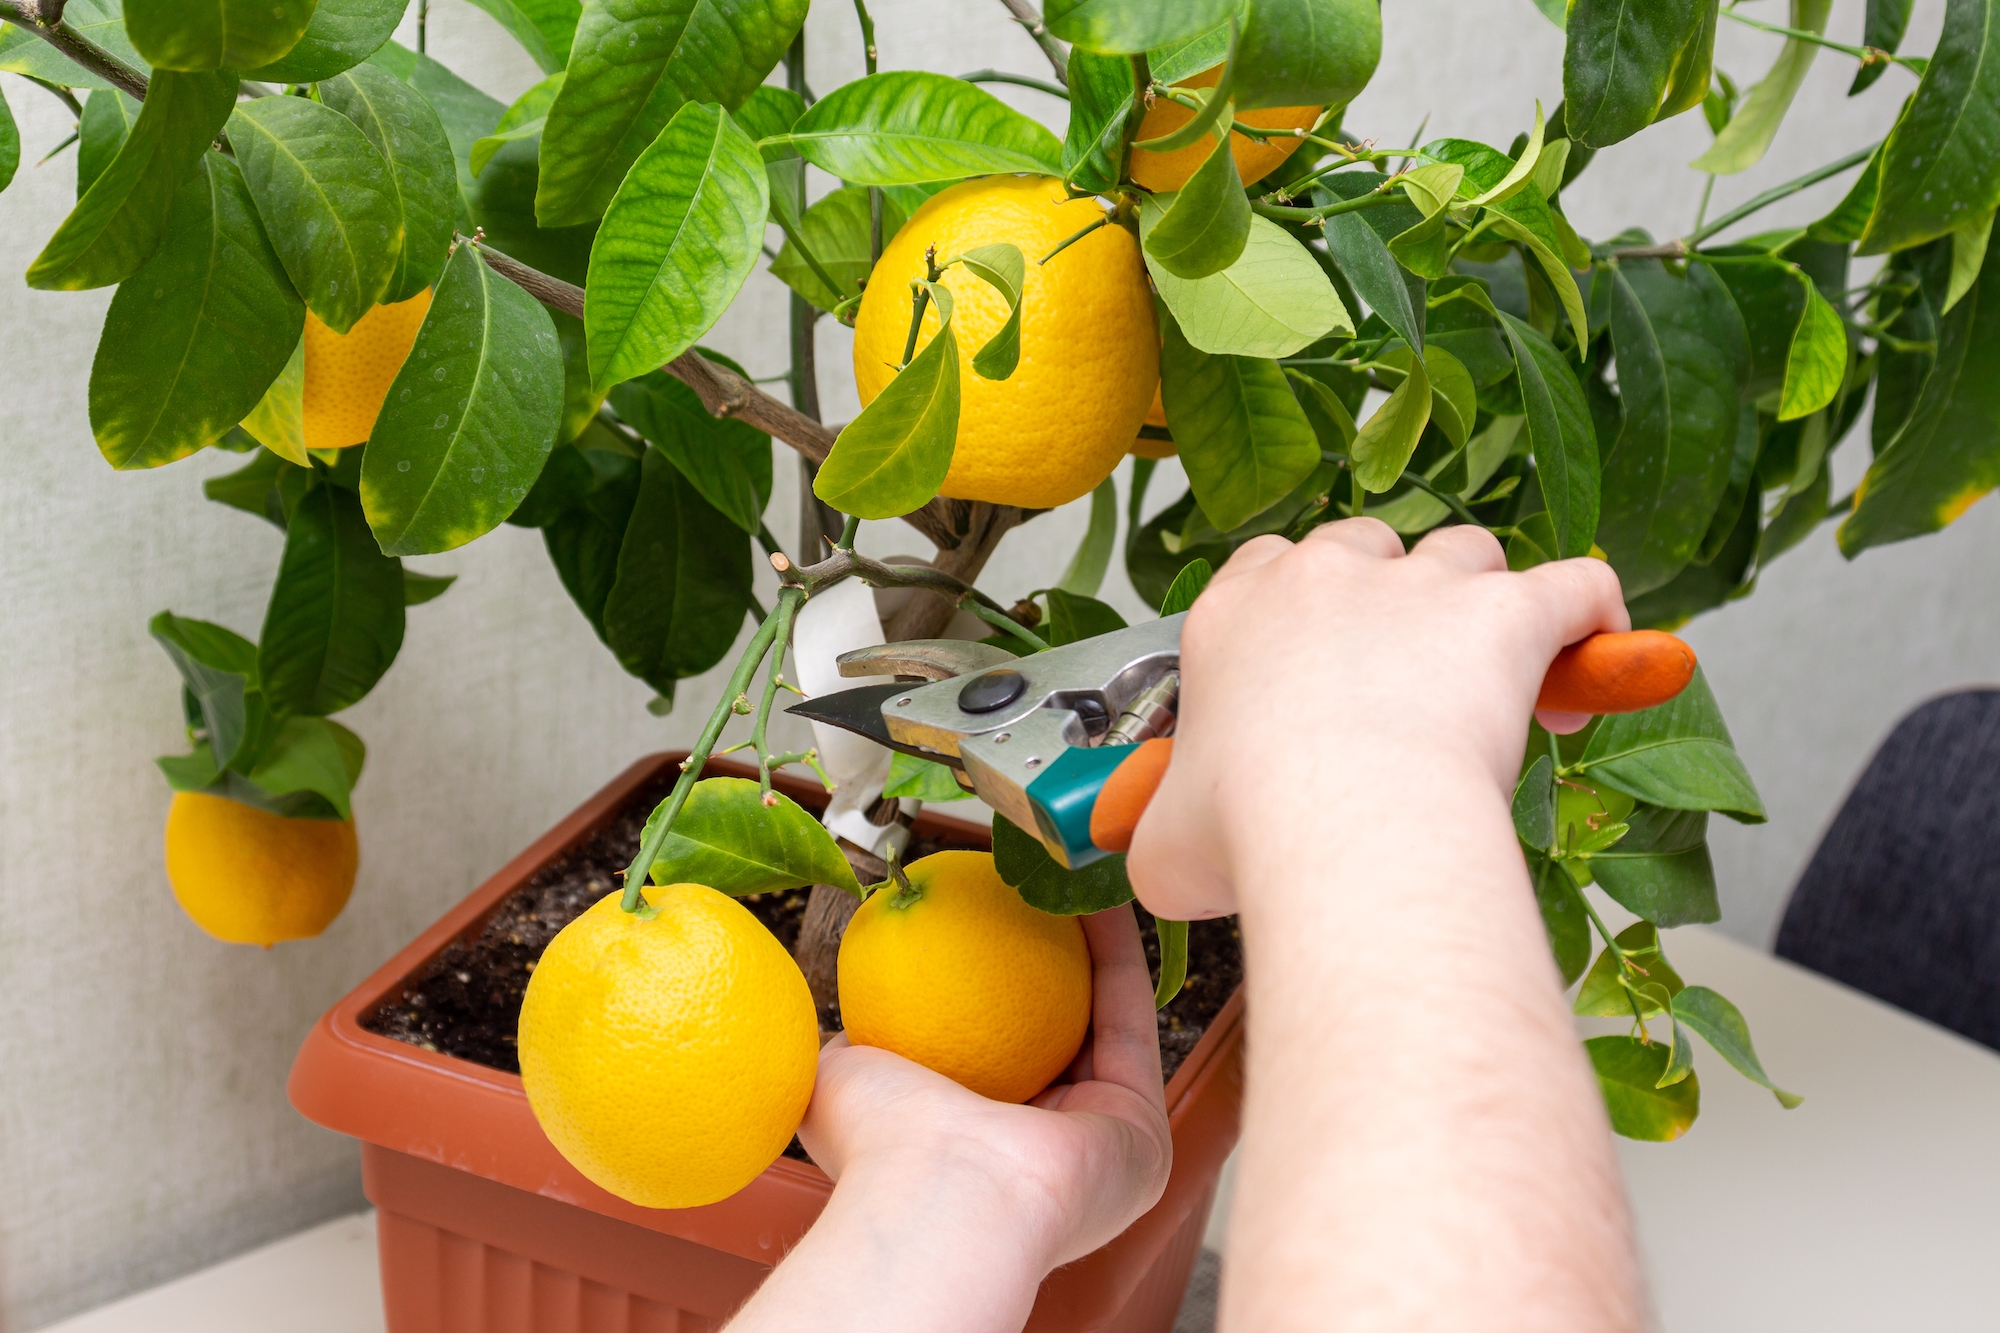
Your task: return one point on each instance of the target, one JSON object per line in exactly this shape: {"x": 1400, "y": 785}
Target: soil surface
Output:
{"x": 467, "y": 1001}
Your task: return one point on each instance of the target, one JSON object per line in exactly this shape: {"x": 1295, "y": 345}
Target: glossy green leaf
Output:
{"x": 1534, "y": 806}
{"x": 216, "y": 317}
{"x": 683, "y": 581}
{"x": 1693, "y": 75}
{"x": 311, "y": 755}
{"x": 677, "y": 243}
{"x": 1527, "y": 218}
{"x": 10, "y": 144}
{"x": 567, "y": 480}
{"x": 1384, "y": 444}
{"x": 1187, "y": 586}
{"x": 727, "y": 461}
{"x": 327, "y": 200}
{"x": 1722, "y": 1026}
{"x": 421, "y": 588}
{"x": 98, "y": 21}
{"x": 1100, "y": 96}
{"x": 908, "y": 127}
{"x": 1121, "y": 27}
{"x": 468, "y": 115}
{"x": 1618, "y": 63}
{"x": 218, "y": 668}
{"x": 1369, "y": 268}
{"x": 1022, "y": 862}
{"x": 401, "y": 125}
{"x": 278, "y": 420}
{"x": 583, "y": 540}
{"x": 341, "y": 35}
{"x": 1660, "y": 869}
{"x": 1275, "y": 300}
{"x": 1244, "y": 440}
{"x": 1074, "y": 617}
{"x": 1152, "y": 566}
{"x": 1306, "y": 52}
{"x": 201, "y": 35}
{"x": 631, "y": 67}
{"x": 1947, "y": 454}
{"x": 1560, "y": 436}
{"x": 108, "y": 116}
{"x": 726, "y": 838}
{"x": 1818, "y": 362}
{"x": 1002, "y": 268}
{"x": 544, "y": 28}
{"x": 921, "y": 780}
{"x": 1601, "y": 995}
{"x": 335, "y": 621}
{"x": 1770, "y": 294}
{"x": 470, "y": 417}
{"x": 1968, "y": 257}
{"x": 1563, "y": 918}
{"x": 1745, "y": 139}
{"x": 1883, "y": 30}
{"x": 253, "y": 488}
{"x": 1683, "y": 362}
{"x": 1628, "y": 1074}
{"x": 1206, "y": 226}
{"x": 502, "y": 202}
{"x": 1850, "y": 216}
{"x": 1093, "y": 554}
{"x": 1678, "y": 755}
{"x": 892, "y": 458}
{"x": 120, "y": 220}
{"x": 1941, "y": 166}
{"x": 838, "y": 231}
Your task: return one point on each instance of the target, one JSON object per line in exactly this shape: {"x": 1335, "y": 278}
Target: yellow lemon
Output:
{"x": 1254, "y": 161}
{"x": 1156, "y": 415}
{"x": 961, "y": 976}
{"x": 1090, "y": 350}
{"x": 671, "y": 1059}
{"x": 247, "y": 876}
{"x": 348, "y": 374}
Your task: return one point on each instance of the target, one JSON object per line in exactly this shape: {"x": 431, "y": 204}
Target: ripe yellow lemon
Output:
{"x": 961, "y": 976}
{"x": 247, "y": 876}
{"x": 1156, "y": 415}
{"x": 1090, "y": 350}
{"x": 1254, "y": 160}
{"x": 669, "y": 1059}
{"x": 348, "y": 374}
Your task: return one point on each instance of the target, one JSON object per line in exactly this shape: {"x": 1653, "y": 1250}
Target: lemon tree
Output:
{"x": 418, "y": 313}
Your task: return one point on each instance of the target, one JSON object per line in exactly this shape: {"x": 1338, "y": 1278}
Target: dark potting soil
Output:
{"x": 467, "y": 1001}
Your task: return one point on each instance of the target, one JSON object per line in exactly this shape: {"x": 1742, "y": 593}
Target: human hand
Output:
{"x": 1050, "y": 1181}
{"x": 1341, "y": 666}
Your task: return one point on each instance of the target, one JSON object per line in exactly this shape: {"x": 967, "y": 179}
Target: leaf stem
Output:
{"x": 1375, "y": 198}
{"x": 1451, "y": 502}
{"x": 1867, "y": 55}
{"x": 1025, "y": 15}
{"x": 1073, "y": 238}
{"x": 1022, "y": 80}
{"x": 868, "y": 52}
{"x": 1001, "y": 620}
{"x": 60, "y": 93}
{"x": 812, "y": 261}
{"x": 846, "y": 542}
{"x": 1678, "y": 249}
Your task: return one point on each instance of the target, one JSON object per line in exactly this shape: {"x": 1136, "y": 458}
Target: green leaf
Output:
{"x": 401, "y": 125}
{"x": 421, "y": 588}
{"x": 726, "y": 838}
{"x": 1745, "y": 139}
{"x": 1693, "y": 76}
{"x": 1941, "y": 166}
{"x": 837, "y": 230}
{"x": 1660, "y": 869}
{"x": 677, "y": 243}
{"x": 1187, "y": 586}
{"x": 1850, "y": 216}
{"x": 1884, "y": 28}
{"x": 10, "y": 144}
{"x": 278, "y": 420}
{"x": 194, "y": 337}
{"x": 253, "y": 488}
{"x": 1384, "y": 444}
{"x": 1244, "y": 440}
{"x": 1535, "y": 805}
{"x": 502, "y": 201}
{"x": 1093, "y": 554}
{"x": 892, "y": 458}
{"x": 108, "y": 116}
{"x": 1307, "y": 52}
{"x": 1818, "y": 362}
{"x": 726, "y": 460}
{"x": 1770, "y": 294}
{"x": 1273, "y": 301}
{"x": 1602, "y": 996}
{"x": 1206, "y": 226}
{"x": 632, "y": 66}
{"x": 1100, "y": 96}
{"x": 468, "y": 116}
{"x": 1618, "y": 63}
{"x": 1628, "y": 1074}
{"x": 769, "y": 111}
{"x": 683, "y": 581}
{"x": 1003, "y": 269}
{"x": 201, "y": 35}
{"x": 120, "y": 220}
{"x": 327, "y": 201}
{"x": 921, "y": 780}
{"x": 1677, "y": 755}
{"x": 1152, "y": 567}
{"x": 1372, "y": 271}
{"x": 1023, "y": 863}
{"x": 567, "y": 479}
{"x": 1527, "y": 218}
{"x": 218, "y": 668}
{"x": 1968, "y": 256}
{"x": 335, "y": 621}
{"x": 583, "y": 541}
{"x": 1721, "y": 1025}
{"x": 341, "y": 35}
{"x": 504, "y": 134}
{"x": 1560, "y": 436}
{"x": 1683, "y": 361}
{"x": 908, "y": 127}
{"x": 98, "y": 21}
{"x": 1563, "y": 918}
{"x": 1123, "y": 27}
{"x": 1074, "y": 617}
{"x": 469, "y": 419}
{"x": 1947, "y": 454}
{"x": 311, "y": 754}
{"x": 544, "y": 28}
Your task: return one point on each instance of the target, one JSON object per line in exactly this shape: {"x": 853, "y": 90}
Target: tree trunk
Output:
{"x": 925, "y": 614}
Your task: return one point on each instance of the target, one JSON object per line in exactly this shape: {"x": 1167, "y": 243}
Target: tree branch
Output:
{"x": 44, "y": 19}
{"x": 1025, "y": 15}
{"x": 726, "y": 394}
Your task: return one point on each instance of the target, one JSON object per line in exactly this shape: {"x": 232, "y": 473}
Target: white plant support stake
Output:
{"x": 839, "y": 620}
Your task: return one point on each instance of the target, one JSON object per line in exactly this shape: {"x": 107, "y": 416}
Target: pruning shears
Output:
{"x": 1070, "y": 744}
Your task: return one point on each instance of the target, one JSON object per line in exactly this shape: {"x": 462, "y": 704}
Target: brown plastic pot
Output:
{"x": 484, "y": 1228}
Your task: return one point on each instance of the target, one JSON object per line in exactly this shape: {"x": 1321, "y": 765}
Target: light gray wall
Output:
{"x": 143, "y": 1126}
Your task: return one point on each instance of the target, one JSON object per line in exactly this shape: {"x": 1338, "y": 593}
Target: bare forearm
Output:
{"x": 1424, "y": 1147}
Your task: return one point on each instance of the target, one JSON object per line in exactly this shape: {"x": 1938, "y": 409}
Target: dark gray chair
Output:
{"x": 1902, "y": 898}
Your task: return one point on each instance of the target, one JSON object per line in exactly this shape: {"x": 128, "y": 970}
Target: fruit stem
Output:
{"x": 1002, "y": 620}
{"x": 906, "y": 892}
{"x": 1074, "y": 237}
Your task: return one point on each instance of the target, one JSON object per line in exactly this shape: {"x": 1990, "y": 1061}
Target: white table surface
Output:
{"x": 1873, "y": 1207}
